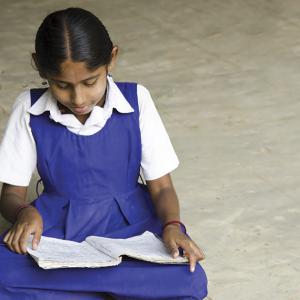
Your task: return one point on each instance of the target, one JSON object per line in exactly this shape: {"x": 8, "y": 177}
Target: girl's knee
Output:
{"x": 5, "y": 294}
{"x": 200, "y": 282}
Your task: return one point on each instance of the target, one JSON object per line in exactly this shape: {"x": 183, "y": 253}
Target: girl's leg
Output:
{"x": 12, "y": 264}
{"x": 132, "y": 280}
{"x": 9, "y": 293}
{"x": 180, "y": 298}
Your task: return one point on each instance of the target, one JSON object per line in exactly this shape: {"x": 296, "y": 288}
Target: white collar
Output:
{"x": 114, "y": 99}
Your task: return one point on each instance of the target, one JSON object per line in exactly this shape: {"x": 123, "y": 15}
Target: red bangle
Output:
{"x": 19, "y": 208}
{"x": 175, "y": 222}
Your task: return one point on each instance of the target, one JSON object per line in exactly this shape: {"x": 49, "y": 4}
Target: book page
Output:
{"x": 146, "y": 247}
{"x": 57, "y": 253}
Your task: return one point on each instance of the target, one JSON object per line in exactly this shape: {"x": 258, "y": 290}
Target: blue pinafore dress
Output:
{"x": 91, "y": 188}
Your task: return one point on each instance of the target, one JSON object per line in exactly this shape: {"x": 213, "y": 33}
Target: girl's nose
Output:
{"x": 78, "y": 98}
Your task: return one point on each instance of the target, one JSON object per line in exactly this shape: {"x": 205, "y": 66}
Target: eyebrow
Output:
{"x": 92, "y": 77}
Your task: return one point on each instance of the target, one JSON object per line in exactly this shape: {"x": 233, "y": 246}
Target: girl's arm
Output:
{"x": 167, "y": 208}
{"x": 165, "y": 199}
{"x": 11, "y": 197}
{"x": 28, "y": 220}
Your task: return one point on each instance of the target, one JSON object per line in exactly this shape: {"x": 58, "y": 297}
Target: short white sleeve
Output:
{"x": 17, "y": 149}
{"x": 158, "y": 155}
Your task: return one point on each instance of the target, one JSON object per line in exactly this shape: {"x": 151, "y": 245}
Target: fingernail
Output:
{"x": 34, "y": 246}
{"x": 175, "y": 254}
{"x": 192, "y": 269}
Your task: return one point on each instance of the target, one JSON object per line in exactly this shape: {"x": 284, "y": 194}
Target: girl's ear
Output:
{"x": 33, "y": 55}
{"x": 114, "y": 54}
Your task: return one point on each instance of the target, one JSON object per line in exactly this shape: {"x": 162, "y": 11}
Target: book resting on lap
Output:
{"x": 96, "y": 251}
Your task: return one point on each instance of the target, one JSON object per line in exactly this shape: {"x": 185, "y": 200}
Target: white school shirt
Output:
{"x": 18, "y": 156}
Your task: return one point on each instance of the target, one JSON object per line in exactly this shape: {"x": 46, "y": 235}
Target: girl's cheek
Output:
{"x": 61, "y": 97}
{"x": 58, "y": 93}
{"x": 97, "y": 93}
{"x": 101, "y": 86}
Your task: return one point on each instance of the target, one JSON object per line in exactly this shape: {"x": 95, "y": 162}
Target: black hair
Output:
{"x": 75, "y": 34}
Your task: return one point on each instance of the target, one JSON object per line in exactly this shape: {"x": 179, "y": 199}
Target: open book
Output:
{"x": 97, "y": 251}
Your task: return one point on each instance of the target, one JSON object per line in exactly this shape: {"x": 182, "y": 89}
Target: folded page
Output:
{"x": 146, "y": 247}
{"x": 57, "y": 253}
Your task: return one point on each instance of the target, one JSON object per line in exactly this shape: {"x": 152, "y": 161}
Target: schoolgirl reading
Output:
{"x": 88, "y": 137}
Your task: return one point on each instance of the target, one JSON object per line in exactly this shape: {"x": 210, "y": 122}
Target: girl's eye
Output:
{"x": 64, "y": 87}
{"x": 90, "y": 84}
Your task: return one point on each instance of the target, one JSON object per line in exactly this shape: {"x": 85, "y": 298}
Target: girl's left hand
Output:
{"x": 174, "y": 238}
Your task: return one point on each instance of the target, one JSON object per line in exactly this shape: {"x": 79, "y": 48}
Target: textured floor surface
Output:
{"x": 225, "y": 78}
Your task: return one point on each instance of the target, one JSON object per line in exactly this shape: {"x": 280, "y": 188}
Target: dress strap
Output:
{"x": 35, "y": 94}
{"x": 129, "y": 91}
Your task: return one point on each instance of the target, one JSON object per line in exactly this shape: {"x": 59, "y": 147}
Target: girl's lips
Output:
{"x": 81, "y": 109}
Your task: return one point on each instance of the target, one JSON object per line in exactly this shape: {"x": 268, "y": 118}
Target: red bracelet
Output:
{"x": 19, "y": 208}
{"x": 175, "y": 222}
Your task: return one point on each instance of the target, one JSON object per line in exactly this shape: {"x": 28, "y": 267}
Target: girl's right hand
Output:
{"x": 29, "y": 221}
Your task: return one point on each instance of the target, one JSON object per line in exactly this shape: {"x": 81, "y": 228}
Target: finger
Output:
{"x": 192, "y": 260}
{"x": 191, "y": 247}
{"x": 16, "y": 239}
{"x": 36, "y": 238}
{"x": 199, "y": 252}
{"x": 24, "y": 239}
{"x": 10, "y": 237}
{"x": 7, "y": 236}
{"x": 185, "y": 245}
{"x": 173, "y": 248}
{"x": 188, "y": 248}
{"x": 201, "y": 255}
{"x": 10, "y": 240}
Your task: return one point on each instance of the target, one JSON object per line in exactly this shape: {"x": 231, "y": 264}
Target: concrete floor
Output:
{"x": 225, "y": 78}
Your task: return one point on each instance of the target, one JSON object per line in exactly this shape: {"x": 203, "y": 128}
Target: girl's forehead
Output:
{"x": 74, "y": 72}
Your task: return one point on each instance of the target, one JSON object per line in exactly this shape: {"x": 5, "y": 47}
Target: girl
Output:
{"x": 88, "y": 136}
